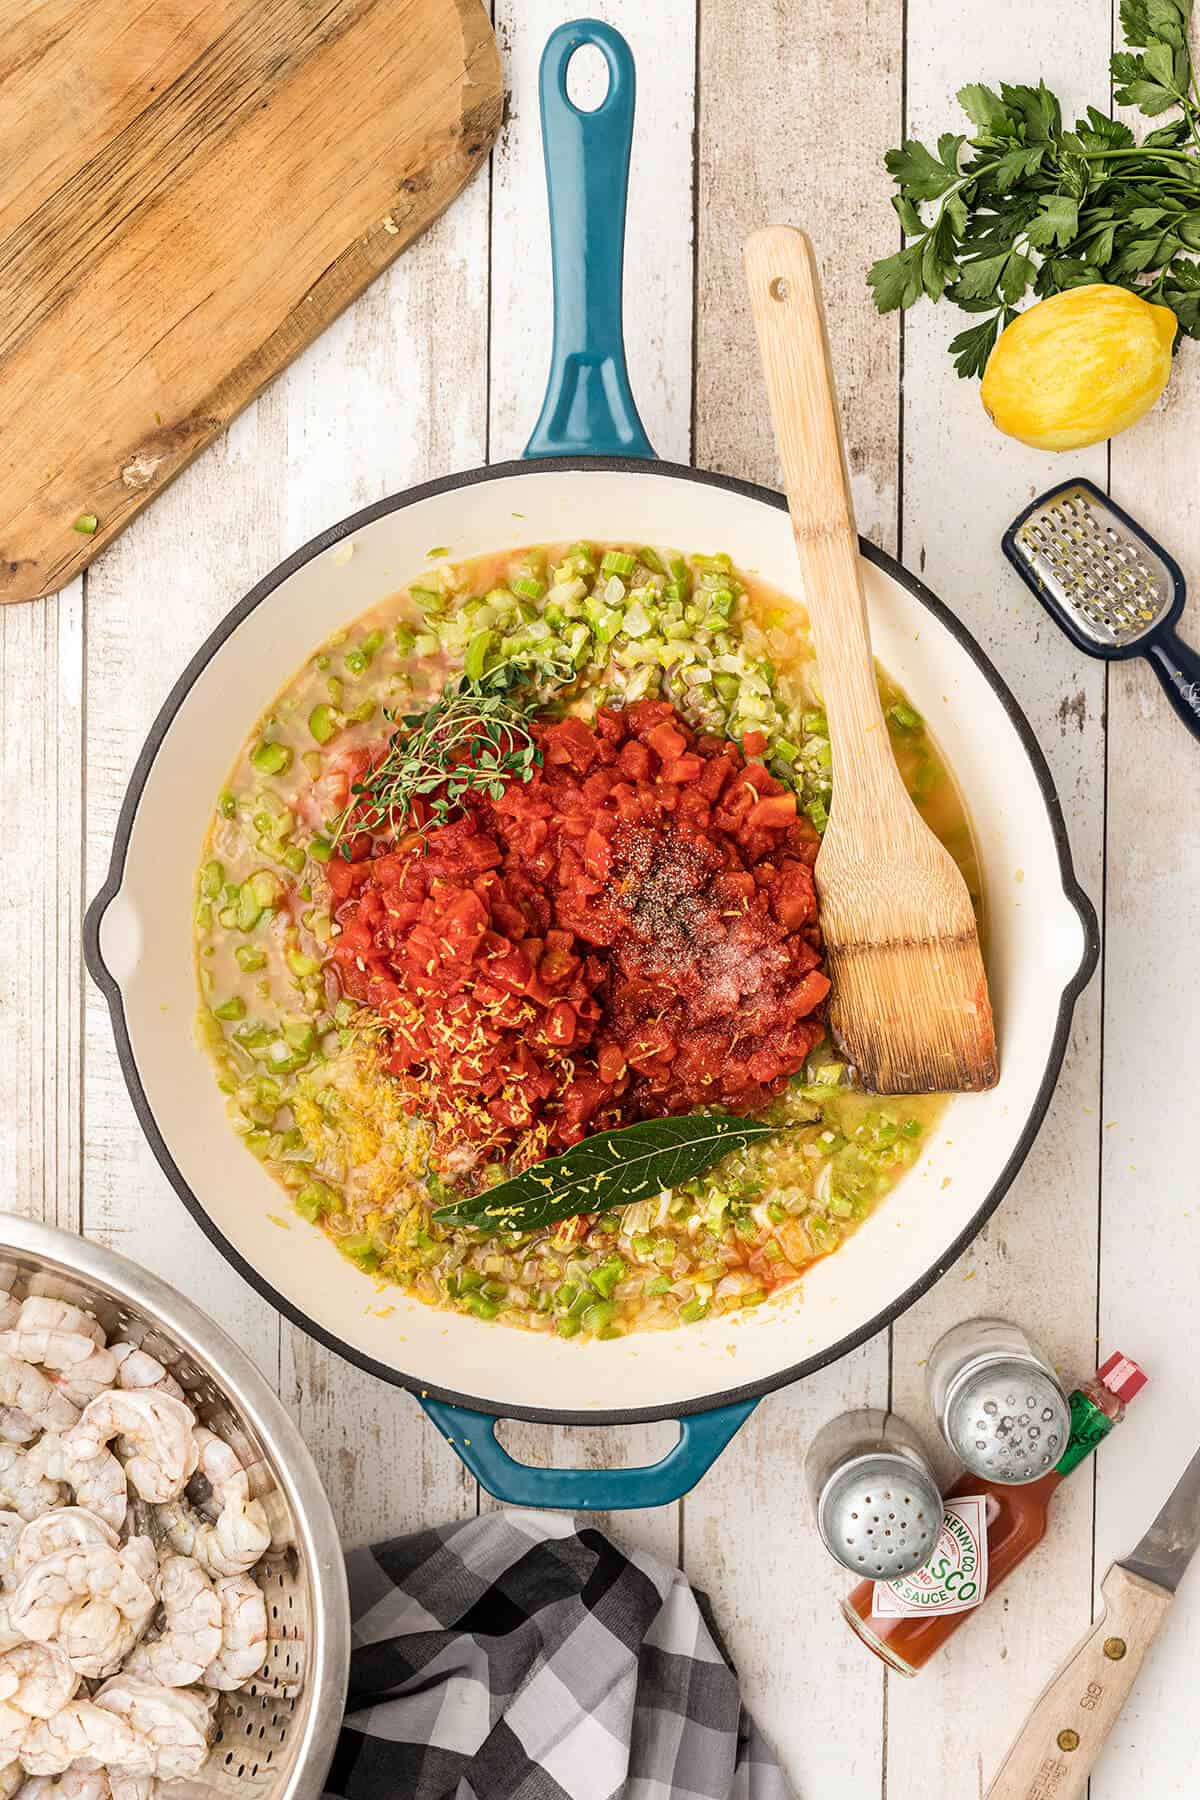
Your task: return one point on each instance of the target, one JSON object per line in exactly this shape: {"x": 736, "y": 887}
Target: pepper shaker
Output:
{"x": 997, "y": 1401}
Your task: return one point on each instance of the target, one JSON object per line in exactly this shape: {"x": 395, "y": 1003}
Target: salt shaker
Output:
{"x": 876, "y": 1501}
{"x": 997, "y": 1401}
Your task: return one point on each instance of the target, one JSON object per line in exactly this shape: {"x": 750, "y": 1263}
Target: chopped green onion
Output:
{"x": 86, "y": 524}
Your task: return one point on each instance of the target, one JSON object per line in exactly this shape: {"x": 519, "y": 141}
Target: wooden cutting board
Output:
{"x": 190, "y": 190}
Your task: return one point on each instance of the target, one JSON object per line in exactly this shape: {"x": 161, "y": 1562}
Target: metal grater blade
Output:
{"x": 1104, "y": 574}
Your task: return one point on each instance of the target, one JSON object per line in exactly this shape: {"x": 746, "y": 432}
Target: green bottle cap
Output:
{"x": 1090, "y": 1425}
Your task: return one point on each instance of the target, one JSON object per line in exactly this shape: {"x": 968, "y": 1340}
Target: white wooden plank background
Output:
{"x": 748, "y": 109}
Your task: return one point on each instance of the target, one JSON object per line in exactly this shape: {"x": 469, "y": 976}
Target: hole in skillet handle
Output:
{"x": 588, "y": 79}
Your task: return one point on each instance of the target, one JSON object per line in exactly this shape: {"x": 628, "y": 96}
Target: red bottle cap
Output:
{"x": 1122, "y": 1376}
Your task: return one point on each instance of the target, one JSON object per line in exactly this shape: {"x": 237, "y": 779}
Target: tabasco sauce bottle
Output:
{"x": 989, "y": 1526}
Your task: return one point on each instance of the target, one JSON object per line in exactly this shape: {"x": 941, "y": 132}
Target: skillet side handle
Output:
{"x": 589, "y": 409}
{"x": 702, "y": 1437}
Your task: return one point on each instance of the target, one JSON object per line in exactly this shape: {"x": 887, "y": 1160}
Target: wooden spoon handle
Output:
{"x": 1063, "y": 1735}
{"x": 785, "y": 299}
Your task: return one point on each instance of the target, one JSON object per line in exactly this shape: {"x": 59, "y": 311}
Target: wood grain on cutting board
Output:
{"x": 189, "y": 191}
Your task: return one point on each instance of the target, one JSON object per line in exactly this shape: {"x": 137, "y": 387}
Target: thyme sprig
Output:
{"x": 474, "y": 738}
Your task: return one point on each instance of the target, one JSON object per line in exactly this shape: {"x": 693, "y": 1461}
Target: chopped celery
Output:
{"x": 478, "y": 651}
{"x": 323, "y": 723}
{"x": 271, "y": 758}
{"x": 903, "y": 716}
{"x": 605, "y": 1278}
{"x": 314, "y": 1200}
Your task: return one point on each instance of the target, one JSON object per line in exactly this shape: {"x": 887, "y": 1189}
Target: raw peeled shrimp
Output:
{"x": 93, "y": 1600}
{"x": 85, "y": 1732}
{"x": 26, "y": 1388}
{"x": 160, "y": 1429}
{"x": 23, "y": 1489}
{"x": 16, "y": 1427}
{"x": 37, "y": 1679}
{"x": 40, "y": 1312}
{"x": 97, "y": 1482}
{"x": 75, "y": 1783}
{"x": 124, "y": 1786}
{"x": 11, "y": 1527}
{"x": 12, "y": 1777}
{"x": 13, "y": 1726}
{"x": 137, "y": 1369}
{"x": 174, "y": 1724}
{"x": 64, "y": 1527}
{"x": 192, "y": 1636}
{"x": 240, "y": 1536}
{"x": 221, "y": 1466}
{"x": 63, "y": 1340}
{"x": 243, "y": 1633}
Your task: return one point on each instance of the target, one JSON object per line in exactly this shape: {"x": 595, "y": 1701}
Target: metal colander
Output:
{"x": 276, "y": 1736}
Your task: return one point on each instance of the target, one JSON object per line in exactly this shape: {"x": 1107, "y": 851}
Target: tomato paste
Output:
{"x": 630, "y": 932}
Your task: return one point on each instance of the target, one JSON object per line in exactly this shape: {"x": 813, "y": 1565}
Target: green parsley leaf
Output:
{"x": 984, "y": 107}
{"x": 1057, "y": 223}
{"x": 1026, "y": 204}
{"x": 971, "y": 349}
{"x": 918, "y": 172}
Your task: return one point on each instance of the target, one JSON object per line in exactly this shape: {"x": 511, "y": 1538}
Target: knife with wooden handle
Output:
{"x": 1064, "y": 1734}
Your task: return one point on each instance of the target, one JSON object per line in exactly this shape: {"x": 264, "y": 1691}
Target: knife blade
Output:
{"x": 1166, "y": 1549}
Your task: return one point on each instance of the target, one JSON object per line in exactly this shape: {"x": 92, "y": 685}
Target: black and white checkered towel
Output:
{"x": 518, "y": 1656}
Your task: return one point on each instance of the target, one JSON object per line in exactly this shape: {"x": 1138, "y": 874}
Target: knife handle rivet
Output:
{"x": 1068, "y": 1739}
{"x": 1115, "y": 1648}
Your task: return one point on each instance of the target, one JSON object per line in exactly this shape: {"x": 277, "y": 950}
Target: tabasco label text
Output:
{"x": 955, "y": 1577}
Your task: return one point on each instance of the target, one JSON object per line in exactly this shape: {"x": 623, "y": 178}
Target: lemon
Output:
{"x": 1078, "y": 367}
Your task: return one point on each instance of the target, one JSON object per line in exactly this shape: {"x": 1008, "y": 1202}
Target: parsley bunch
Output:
{"x": 1025, "y": 203}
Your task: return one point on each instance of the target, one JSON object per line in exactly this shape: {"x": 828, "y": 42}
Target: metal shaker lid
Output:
{"x": 879, "y": 1515}
{"x": 1006, "y": 1419}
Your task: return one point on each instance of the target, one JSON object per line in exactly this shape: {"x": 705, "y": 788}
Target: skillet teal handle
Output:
{"x": 589, "y": 409}
{"x": 702, "y": 1437}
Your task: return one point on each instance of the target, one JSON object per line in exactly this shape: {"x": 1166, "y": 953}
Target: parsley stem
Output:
{"x": 1139, "y": 150}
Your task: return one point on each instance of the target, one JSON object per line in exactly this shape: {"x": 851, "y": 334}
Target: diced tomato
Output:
{"x": 631, "y": 932}
{"x": 773, "y": 811}
{"x": 667, "y": 741}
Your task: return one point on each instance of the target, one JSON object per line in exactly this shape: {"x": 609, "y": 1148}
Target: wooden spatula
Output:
{"x": 910, "y": 1004}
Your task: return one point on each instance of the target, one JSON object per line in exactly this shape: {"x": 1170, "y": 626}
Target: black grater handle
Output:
{"x": 1177, "y": 666}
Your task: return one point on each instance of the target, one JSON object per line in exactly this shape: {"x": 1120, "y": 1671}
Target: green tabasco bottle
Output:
{"x": 988, "y": 1528}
